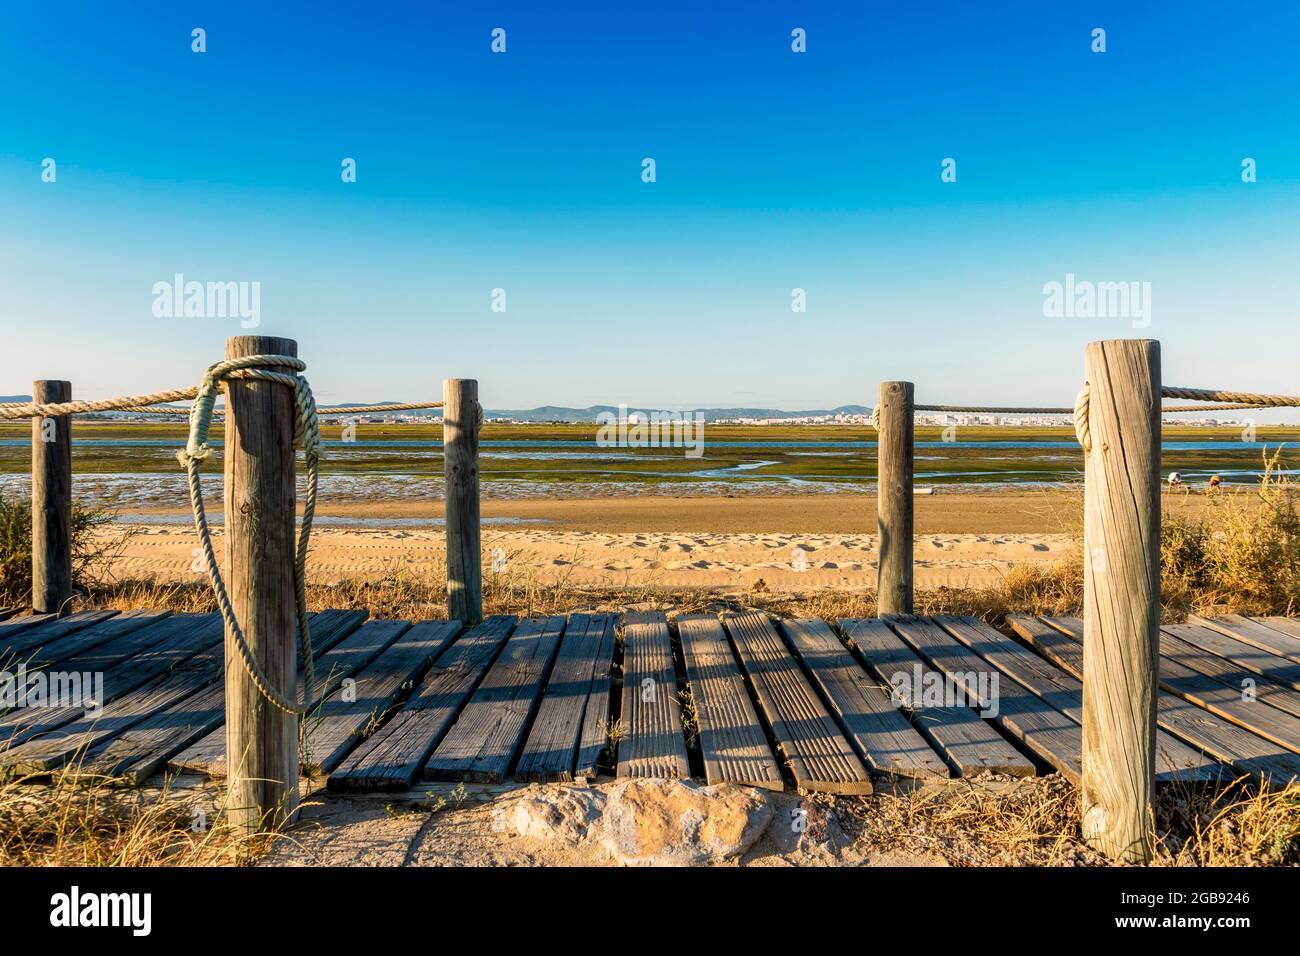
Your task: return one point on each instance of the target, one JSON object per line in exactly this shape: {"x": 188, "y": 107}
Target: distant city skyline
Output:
{"x": 1096, "y": 195}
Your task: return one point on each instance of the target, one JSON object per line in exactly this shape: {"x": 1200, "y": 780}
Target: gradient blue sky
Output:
{"x": 775, "y": 170}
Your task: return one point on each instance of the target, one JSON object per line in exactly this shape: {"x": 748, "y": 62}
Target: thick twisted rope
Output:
{"x": 1227, "y": 401}
{"x": 322, "y": 412}
{"x": 307, "y": 433}
{"x": 991, "y": 408}
{"x": 55, "y": 409}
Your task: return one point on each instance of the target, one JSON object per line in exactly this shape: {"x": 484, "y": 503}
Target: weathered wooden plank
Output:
{"x": 110, "y": 635}
{"x": 1287, "y": 625}
{"x": 1252, "y": 632}
{"x": 732, "y": 740}
{"x": 67, "y": 744}
{"x": 182, "y": 636}
{"x": 137, "y": 753}
{"x": 487, "y": 736}
{"x": 392, "y": 756}
{"x": 583, "y": 662}
{"x": 1251, "y": 658}
{"x": 1241, "y": 679}
{"x": 345, "y": 718}
{"x": 17, "y": 646}
{"x": 1244, "y": 751}
{"x": 819, "y": 757}
{"x": 21, "y": 622}
{"x": 593, "y": 740}
{"x": 144, "y": 656}
{"x": 884, "y": 738}
{"x": 330, "y": 632}
{"x": 651, "y": 743}
{"x": 1175, "y": 760}
{"x": 969, "y": 744}
{"x": 108, "y": 656}
{"x": 1226, "y": 702}
{"x": 1019, "y": 713}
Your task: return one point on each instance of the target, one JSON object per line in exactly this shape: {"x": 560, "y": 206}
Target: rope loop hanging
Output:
{"x": 282, "y": 370}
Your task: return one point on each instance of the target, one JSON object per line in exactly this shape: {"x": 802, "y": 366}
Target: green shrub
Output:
{"x": 90, "y": 552}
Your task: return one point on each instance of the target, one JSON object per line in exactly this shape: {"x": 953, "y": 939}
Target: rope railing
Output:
{"x": 322, "y": 412}
{"x": 1223, "y": 399}
{"x": 283, "y": 370}
{"x": 14, "y": 410}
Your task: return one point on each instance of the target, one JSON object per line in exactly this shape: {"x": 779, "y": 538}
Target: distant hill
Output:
{"x": 559, "y": 413}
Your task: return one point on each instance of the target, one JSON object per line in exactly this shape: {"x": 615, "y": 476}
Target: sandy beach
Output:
{"x": 787, "y": 543}
{"x": 786, "y": 562}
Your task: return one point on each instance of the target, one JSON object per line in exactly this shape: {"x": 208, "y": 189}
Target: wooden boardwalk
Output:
{"x": 831, "y": 707}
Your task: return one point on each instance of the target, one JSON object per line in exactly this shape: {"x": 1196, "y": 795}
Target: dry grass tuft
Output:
{"x": 1035, "y": 822}
{"x": 1241, "y": 555}
{"x": 65, "y": 825}
{"x": 1234, "y": 826}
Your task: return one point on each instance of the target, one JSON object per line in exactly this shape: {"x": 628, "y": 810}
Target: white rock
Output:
{"x": 550, "y": 814}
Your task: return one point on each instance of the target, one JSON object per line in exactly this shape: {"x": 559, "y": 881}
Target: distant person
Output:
{"x": 1215, "y": 482}
{"x": 1175, "y": 481}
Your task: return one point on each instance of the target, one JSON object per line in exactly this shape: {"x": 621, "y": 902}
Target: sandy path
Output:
{"x": 783, "y": 561}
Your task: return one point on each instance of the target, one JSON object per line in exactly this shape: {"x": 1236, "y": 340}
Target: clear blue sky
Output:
{"x": 775, "y": 170}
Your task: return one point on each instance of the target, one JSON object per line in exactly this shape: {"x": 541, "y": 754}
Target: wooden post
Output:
{"x": 51, "y": 502}
{"x": 460, "y": 421}
{"x": 894, "y": 499}
{"x": 1121, "y": 596}
{"x": 261, "y": 739}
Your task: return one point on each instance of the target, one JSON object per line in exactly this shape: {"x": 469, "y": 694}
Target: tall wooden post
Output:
{"x": 51, "y": 502}
{"x": 894, "y": 498}
{"x": 460, "y": 427}
{"x": 1121, "y": 596}
{"x": 261, "y": 739}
